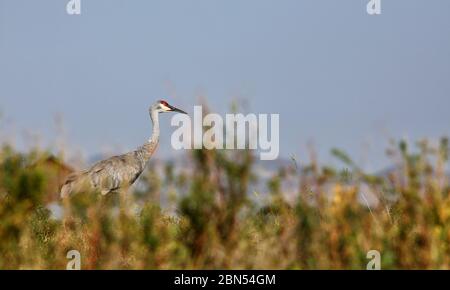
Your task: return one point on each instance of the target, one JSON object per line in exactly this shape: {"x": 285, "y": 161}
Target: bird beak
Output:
{"x": 173, "y": 109}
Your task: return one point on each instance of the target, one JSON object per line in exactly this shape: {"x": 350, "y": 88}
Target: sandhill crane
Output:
{"x": 117, "y": 173}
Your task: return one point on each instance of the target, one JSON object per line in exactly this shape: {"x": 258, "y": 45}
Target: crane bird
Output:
{"x": 117, "y": 173}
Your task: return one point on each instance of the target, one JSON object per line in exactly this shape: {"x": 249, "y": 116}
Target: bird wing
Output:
{"x": 114, "y": 173}
{"x": 77, "y": 181}
{"x": 105, "y": 176}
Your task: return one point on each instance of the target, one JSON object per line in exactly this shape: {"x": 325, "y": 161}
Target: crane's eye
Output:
{"x": 164, "y": 103}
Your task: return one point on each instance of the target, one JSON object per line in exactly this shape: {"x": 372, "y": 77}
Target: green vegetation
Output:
{"x": 211, "y": 221}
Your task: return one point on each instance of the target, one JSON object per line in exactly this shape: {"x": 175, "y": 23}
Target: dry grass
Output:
{"x": 218, "y": 225}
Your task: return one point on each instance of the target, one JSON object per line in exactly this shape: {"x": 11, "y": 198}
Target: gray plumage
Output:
{"x": 118, "y": 172}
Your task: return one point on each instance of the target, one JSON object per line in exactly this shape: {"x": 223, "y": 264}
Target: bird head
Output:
{"x": 162, "y": 106}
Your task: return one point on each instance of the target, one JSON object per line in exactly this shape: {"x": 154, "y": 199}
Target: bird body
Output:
{"x": 118, "y": 173}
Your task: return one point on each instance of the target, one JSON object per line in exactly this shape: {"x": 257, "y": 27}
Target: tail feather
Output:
{"x": 74, "y": 183}
{"x": 66, "y": 190}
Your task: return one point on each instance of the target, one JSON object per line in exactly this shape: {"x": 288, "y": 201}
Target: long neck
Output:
{"x": 145, "y": 151}
{"x": 155, "y": 132}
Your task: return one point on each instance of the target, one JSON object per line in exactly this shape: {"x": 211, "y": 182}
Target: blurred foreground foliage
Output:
{"x": 212, "y": 220}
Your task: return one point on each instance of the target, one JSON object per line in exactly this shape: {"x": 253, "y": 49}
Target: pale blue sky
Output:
{"x": 335, "y": 75}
